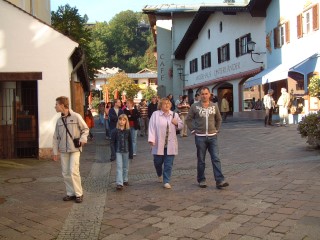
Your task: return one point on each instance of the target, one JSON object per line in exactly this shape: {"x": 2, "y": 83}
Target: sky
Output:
{"x": 105, "y": 10}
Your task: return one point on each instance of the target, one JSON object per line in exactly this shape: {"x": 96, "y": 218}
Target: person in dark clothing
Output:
{"x": 153, "y": 106}
{"x": 173, "y": 106}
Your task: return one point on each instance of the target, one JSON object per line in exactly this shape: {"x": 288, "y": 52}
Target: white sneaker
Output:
{"x": 167, "y": 186}
{"x": 160, "y": 179}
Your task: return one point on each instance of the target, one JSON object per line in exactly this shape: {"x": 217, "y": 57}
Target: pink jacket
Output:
{"x": 157, "y": 132}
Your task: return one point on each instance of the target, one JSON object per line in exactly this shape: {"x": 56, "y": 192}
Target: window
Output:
{"x": 206, "y": 60}
{"x": 152, "y": 81}
{"x": 224, "y": 53}
{"x": 194, "y": 65}
{"x": 220, "y": 26}
{"x": 281, "y": 35}
{"x": 308, "y": 21}
{"x": 208, "y": 33}
{"x": 241, "y": 45}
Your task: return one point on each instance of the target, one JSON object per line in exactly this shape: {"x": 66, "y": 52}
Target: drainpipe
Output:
{"x": 72, "y": 78}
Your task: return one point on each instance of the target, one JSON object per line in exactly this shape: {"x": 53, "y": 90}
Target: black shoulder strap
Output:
{"x": 66, "y": 128}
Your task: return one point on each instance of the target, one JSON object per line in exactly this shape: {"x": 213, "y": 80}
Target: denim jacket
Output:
{"x": 121, "y": 142}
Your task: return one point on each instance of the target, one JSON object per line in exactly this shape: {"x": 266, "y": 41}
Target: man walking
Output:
{"x": 204, "y": 120}
{"x": 268, "y": 102}
{"x": 144, "y": 118}
{"x": 69, "y": 126}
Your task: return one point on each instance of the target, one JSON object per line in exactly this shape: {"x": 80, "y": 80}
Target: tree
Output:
{"x": 126, "y": 43}
{"x": 121, "y": 82}
{"x": 148, "y": 93}
{"x": 314, "y": 87}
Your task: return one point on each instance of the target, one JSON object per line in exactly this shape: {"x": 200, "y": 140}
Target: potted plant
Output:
{"x": 309, "y": 127}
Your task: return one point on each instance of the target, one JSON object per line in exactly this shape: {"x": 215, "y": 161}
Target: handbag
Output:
{"x": 177, "y": 131}
{"x": 76, "y": 141}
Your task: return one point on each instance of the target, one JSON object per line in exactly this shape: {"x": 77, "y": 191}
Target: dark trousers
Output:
{"x": 268, "y": 117}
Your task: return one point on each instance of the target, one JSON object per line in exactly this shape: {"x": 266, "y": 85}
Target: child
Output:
{"x": 88, "y": 118}
{"x": 121, "y": 145}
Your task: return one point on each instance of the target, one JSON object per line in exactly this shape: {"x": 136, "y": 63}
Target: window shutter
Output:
{"x": 219, "y": 55}
{"x": 209, "y": 59}
{"x": 196, "y": 60}
{"x": 237, "y": 48}
{"x": 287, "y": 26}
{"x": 299, "y": 26}
{"x": 276, "y": 40}
{"x": 228, "y": 51}
{"x": 190, "y": 67}
{"x": 202, "y": 62}
{"x": 315, "y": 17}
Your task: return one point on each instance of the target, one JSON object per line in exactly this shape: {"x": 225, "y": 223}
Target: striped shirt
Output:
{"x": 143, "y": 111}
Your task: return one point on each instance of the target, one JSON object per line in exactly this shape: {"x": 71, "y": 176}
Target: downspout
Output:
{"x": 73, "y": 73}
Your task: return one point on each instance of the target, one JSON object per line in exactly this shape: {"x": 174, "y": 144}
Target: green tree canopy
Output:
{"x": 121, "y": 82}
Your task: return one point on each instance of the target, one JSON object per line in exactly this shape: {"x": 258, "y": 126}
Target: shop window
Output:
{"x": 281, "y": 35}
{"x": 206, "y": 60}
{"x": 241, "y": 45}
{"x": 224, "y": 53}
{"x": 193, "y": 65}
{"x": 308, "y": 21}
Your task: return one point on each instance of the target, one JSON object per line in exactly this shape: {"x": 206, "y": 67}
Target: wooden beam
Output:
{"x": 20, "y": 76}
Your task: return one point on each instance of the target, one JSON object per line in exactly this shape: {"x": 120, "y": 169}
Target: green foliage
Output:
{"x": 148, "y": 93}
{"x": 121, "y": 82}
{"x": 310, "y": 126}
{"x": 314, "y": 87}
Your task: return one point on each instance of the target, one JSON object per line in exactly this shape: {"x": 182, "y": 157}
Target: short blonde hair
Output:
{"x": 124, "y": 116}
{"x": 163, "y": 101}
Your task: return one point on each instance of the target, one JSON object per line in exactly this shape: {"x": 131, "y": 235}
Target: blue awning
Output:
{"x": 308, "y": 65}
{"x": 268, "y": 75}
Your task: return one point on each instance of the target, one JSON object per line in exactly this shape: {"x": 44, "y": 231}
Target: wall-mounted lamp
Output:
{"x": 250, "y": 47}
{"x": 180, "y": 72}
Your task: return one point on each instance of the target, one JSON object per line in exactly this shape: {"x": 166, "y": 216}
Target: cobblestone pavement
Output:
{"x": 274, "y": 192}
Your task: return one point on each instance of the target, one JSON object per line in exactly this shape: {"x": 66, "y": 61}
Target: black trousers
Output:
{"x": 268, "y": 117}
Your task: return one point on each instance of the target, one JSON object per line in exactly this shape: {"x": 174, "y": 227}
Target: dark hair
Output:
{"x": 204, "y": 88}
{"x": 184, "y": 97}
{"x": 197, "y": 95}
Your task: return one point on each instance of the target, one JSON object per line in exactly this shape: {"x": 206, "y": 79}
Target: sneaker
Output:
{"x": 119, "y": 187}
{"x": 79, "y": 199}
{"x": 202, "y": 184}
{"x": 167, "y": 186}
{"x": 126, "y": 183}
{"x": 222, "y": 184}
{"x": 160, "y": 179}
{"x": 69, "y": 198}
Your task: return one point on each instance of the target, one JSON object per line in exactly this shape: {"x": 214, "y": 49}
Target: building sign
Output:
{"x": 229, "y": 69}
{"x": 162, "y": 66}
{"x": 204, "y": 76}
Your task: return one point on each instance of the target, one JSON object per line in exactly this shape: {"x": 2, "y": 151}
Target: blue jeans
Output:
{"x": 122, "y": 160}
{"x": 107, "y": 127}
{"x": 203, "y": 144}
{"x": 134, "y": 134}
{"x": 167, "y": 161}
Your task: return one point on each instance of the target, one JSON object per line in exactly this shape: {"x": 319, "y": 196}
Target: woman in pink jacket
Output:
{"x": 163, "y": 140}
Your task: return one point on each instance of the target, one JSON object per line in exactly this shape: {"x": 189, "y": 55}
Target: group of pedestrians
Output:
{"x": 203, "y": 119}
{"x": 283, "y": 103}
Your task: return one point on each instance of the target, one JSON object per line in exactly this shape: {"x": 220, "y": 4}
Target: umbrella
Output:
{"x": 107, "y": 95}
{"x": 123, "y": 97}
{"x": 115, "y": 94}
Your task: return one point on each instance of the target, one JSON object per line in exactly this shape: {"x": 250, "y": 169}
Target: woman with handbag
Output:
{"x": 163, "y": 140}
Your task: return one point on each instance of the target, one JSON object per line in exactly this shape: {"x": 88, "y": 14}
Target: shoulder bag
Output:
{"x": 76, "y": 141}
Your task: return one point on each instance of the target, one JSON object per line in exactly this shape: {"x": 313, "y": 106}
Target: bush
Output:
{"x": 310, "y": 127}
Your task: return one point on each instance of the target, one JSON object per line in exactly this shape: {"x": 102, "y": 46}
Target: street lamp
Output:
{"x": 180, "y": 72}
{"x": 250, "y": 47}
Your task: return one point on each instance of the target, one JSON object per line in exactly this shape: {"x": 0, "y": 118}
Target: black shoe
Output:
{"x": 79, "y": 199}
{"x": 69, "y": 198}
{"x": 222, "y": 184}
{"x": 126, "y": 183}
